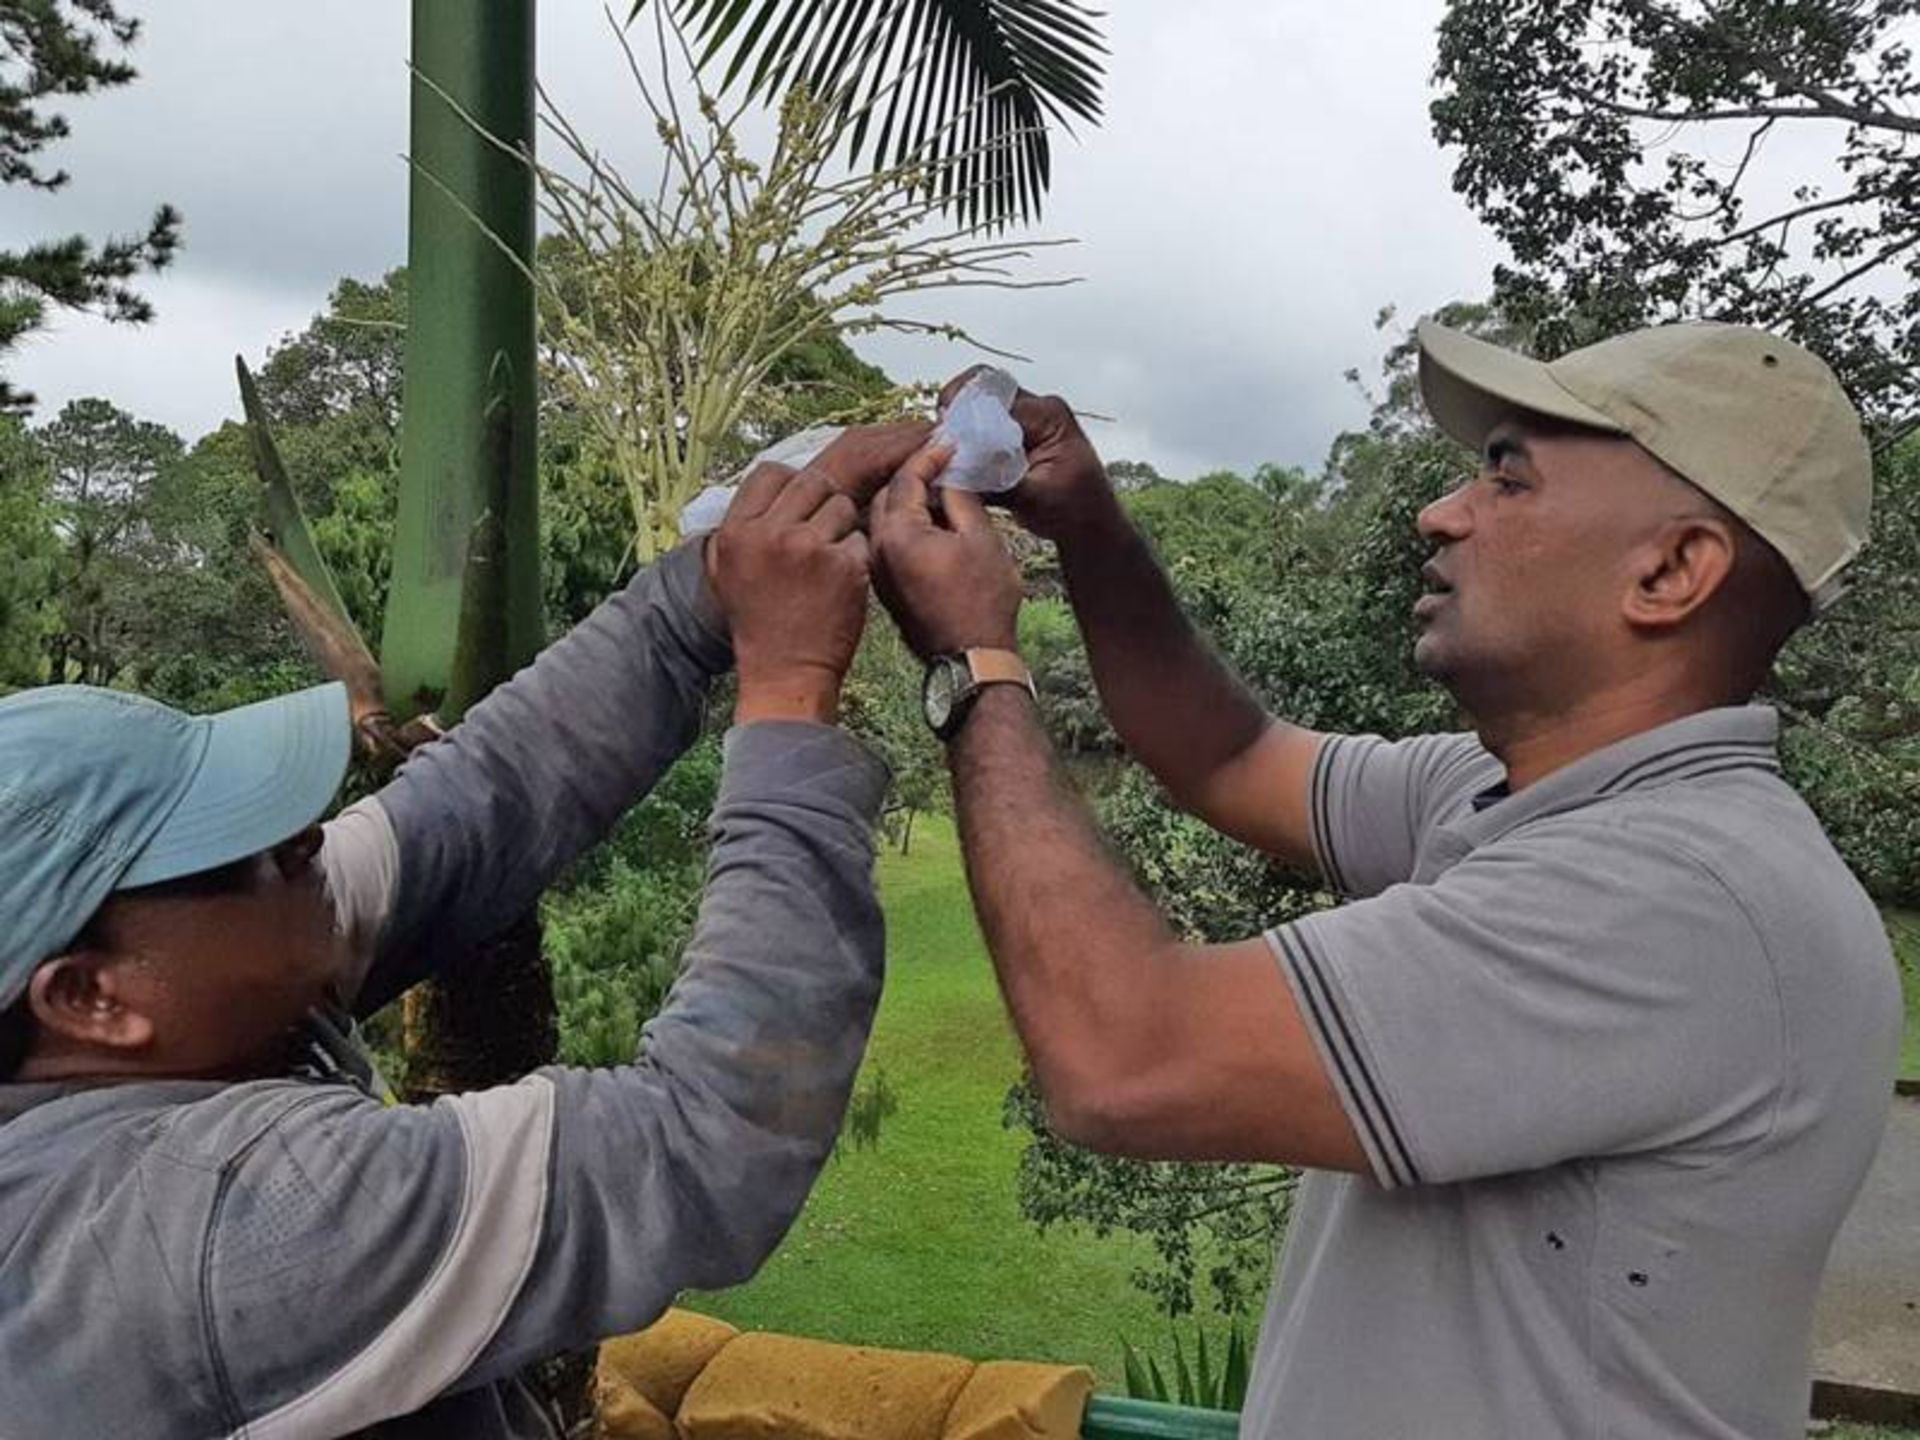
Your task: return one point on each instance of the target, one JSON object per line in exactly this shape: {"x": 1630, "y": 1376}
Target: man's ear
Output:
{"x": 1678, "y": 570}
{"x": 83, "y": 996}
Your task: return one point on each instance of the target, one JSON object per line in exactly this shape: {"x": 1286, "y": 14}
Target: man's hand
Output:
{"x": 942, "y": 573}
{"x": 789, "y": 567}
{"x": 1066, "y": 489}
{"x": 861, "y": 460}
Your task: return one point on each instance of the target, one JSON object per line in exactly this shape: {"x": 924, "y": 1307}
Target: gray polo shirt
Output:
{"x": 1620, "y": 1049}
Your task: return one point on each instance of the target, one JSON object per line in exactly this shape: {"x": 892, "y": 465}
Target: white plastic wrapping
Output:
{"x": 707, "y": 509}
{"x": 988, "y": 455}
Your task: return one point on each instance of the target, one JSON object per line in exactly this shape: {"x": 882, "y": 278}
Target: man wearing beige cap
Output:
{"x": 1593, "y": 1062}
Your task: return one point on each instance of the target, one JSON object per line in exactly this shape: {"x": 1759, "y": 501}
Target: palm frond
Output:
{"x": 969, "y": 88}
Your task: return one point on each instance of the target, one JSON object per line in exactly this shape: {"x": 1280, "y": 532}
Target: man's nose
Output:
{"x": 1446, "y": 519}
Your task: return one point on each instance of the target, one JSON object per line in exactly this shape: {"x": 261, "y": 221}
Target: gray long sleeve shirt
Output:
{"x": 291, "y": 1258}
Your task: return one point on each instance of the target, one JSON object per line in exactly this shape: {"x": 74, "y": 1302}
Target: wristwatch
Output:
{"x": 954, "y": 682}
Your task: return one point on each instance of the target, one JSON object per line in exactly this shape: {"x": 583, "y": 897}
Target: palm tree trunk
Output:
{"x": 493, "y": 1020}
{"x": 467, "y": 470}
{"x": 464, "y": 610}
{"x": 468, "y": 417}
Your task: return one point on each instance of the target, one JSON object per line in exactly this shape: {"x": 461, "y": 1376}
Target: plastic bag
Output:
{"x": 707, "y": 509}
{"x": 988, "y": 453}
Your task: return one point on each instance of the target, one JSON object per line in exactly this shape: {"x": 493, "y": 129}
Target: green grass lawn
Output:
{"x": 919, "y": 1242}
{"x": 1904, "y": 926}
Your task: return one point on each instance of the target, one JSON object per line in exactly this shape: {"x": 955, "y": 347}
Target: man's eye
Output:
{"x": 1507, "y": 485}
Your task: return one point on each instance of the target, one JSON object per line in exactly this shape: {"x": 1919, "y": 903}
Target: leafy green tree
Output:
{"x": 586, "y": 527}
{"x": 1628, "y": 153}
{"x": 882, "y": 706}
{"x": 348, "y": 361}
{"x": 1219, "y": 522}
{"x": 1211, "y": 1226}
{"x": 103, "y": 464}
{"x": 212, "y": 635}
{"x": 151, "y": 579}
{"x": 355, "y": 534}
{"x": 51, "y": 48}
{"x": 1128, "y": 475}
{"x": 1848, "y": 688}
{"x": 616, "y": 926}
{"x": 144, "y": 578}
{"x": 1063, "y": 677}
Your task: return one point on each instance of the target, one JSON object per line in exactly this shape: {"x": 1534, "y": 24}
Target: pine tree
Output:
{"x": 51, "y": 48}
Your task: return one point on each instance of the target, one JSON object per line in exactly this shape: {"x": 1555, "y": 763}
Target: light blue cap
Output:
{"x": 103, "y": 791}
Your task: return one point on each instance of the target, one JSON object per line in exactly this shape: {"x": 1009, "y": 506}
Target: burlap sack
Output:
{"x": 626, "y": 1414}
{"x": 778, "y": 1387}
{"x": 661, "y": 1361}
{"x": 1014, "y": 1400}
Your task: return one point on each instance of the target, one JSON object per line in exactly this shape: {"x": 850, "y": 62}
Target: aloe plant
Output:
{"x": 1202, "y": 1384}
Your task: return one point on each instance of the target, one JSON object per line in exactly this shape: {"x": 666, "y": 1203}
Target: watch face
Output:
{"x": 938, "y": 691}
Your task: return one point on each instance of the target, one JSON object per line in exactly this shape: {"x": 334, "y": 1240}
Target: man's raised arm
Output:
{"x": 1177, "y": 707}
{"x": 1141, "y": 1045}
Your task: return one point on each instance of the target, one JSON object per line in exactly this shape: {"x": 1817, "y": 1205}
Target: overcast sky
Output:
{"x": 1264, "y": 181}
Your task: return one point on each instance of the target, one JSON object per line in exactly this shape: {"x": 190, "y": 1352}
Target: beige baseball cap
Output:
{"x": 1757, "y": 422}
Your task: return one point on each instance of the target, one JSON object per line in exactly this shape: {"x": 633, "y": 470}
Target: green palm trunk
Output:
{"x": 464, "y": 609}
{"x": 468, "y": 415}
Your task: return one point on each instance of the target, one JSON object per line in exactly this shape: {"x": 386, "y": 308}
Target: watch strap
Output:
{"x": 998, "y": 667}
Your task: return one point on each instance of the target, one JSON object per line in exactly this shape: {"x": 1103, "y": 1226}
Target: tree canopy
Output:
{"x": 1744, "y": 160}
{"x": 51, "y": 48}
{"x": 28, "y": 541}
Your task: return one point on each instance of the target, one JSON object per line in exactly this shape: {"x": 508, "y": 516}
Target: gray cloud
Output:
{"x": 1264, "y": 181}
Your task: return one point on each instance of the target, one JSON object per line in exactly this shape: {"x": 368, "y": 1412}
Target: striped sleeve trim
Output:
{"x": 439, "y": 1333}
{"x": 1359, "y": 1092}
{"x": 1319, "y": 816}
{"x": 1687, "y": 762}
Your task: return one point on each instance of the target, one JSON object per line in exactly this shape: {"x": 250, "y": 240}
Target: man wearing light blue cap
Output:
{"x": 209, "y": 1223}
{"x": 111, "y": 796}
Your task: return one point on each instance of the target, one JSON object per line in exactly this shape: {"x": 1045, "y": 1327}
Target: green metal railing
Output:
{"x": 1111, "y": 1418}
